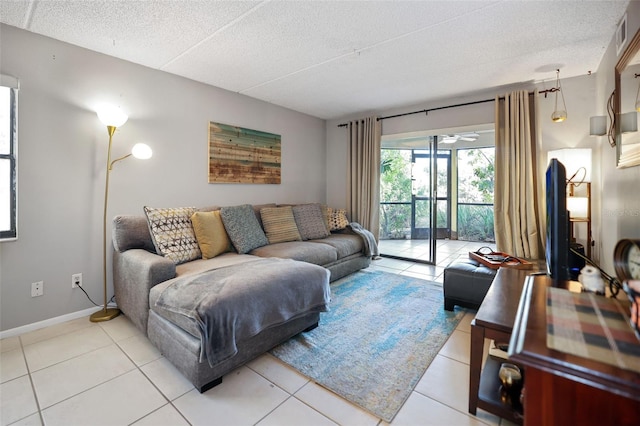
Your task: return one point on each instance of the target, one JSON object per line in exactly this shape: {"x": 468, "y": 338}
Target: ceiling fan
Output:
{"x": 467, "y": 137}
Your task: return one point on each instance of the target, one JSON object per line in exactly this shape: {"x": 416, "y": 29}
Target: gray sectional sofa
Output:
{"x": 288, "y": 280}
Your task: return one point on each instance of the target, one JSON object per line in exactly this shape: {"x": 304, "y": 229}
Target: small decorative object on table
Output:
{"x": 510, "y": 375}
{"x": 591, "y": 280}
{"x": 495, "y": 259}
{"x": 626, "y": 259}
{"x": 632, "y": 288}
{"x": 511, "y": 379}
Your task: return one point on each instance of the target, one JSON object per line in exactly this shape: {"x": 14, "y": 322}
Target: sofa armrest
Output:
{"x": 135, "y": 272}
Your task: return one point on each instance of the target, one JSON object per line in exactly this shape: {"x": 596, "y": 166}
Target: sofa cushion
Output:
{"x": 310, "y": 221}
{"x": 131, "y": 232}
{"x": 172, "y": 233}
{"x": 210, "y": 233}
{"x": 243, "y": 228}
{"x": 336, "y": 219}
{"x": 319, "y": 254}
{"x": 345, "y": 244}
{"x": 279, "y": 224}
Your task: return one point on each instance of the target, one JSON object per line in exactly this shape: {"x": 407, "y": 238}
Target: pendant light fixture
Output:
{"x": 637, "y": 94}
{"x": 559, "y": 115}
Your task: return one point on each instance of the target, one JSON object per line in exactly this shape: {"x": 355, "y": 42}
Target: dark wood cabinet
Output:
{"x": 494, "y": 320}
{"x": 560, "y": 388}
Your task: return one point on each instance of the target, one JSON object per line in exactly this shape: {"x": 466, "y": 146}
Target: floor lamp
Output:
{"x": 113, "y": 118}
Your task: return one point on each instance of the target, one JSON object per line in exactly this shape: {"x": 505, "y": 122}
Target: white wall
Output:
{"x": 62, "y": 155}
{"x": 620, "y": 205}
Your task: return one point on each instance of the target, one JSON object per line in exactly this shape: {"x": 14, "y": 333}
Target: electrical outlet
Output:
{"x": 37, "y": 289}
{"x": 76, "y": 280}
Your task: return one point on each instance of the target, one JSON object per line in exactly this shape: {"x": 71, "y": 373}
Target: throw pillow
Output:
{"x": 243, "y": 228}
{"x": 172, "y": 233}
{"x": 279, "y": 224}
{"x": 210, "y": 233}
{"x": 310, "y": 221}
{"x": 337, "y": 219}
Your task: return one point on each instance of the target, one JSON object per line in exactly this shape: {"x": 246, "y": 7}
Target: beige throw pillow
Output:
{"x": 279, "y": 224}
{"x": 210, "y": 233}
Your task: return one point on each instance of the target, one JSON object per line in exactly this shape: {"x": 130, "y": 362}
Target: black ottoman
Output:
{"x": 466, "y": 282}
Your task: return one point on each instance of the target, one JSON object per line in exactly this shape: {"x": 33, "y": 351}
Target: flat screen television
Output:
{"x": 557, "y": 249}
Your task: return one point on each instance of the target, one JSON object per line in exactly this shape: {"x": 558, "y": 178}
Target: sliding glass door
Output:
{"x": 424, "y": 173}
{"x": 436, "y": 190}
{"x": 408, "y": 200}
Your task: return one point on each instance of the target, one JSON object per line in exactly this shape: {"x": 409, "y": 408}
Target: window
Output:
{"x": 8, "y": 163}
{"x": 475, "y": 194}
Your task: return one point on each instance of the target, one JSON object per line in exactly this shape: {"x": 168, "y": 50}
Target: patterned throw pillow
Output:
{"x": 210, "y": 233}
{"x": 279, "y": 224}
{"x": 310, "y": 221}
{"x": 172, "y": 233}
{"x": 243, "y": 228}
{"x": 337, "y": 219}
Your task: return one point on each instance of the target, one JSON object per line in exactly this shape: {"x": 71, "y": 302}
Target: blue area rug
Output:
{"x": 375, "y": 344}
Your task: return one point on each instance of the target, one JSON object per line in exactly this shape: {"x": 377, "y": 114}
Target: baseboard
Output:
{"x": 47, "y": 323}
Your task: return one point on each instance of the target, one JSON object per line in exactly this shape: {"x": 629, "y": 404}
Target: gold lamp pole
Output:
{"x": 113, "y": 118}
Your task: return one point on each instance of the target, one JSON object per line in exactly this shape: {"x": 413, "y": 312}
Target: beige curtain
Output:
{"x": 363, "y": 191}
{"x": 518, "y": 225}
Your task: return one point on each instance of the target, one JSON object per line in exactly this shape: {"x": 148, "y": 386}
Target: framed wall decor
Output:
{"x": 239, "y": 155}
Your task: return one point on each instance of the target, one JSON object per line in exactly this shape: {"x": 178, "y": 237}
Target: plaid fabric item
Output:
{"x": 592, "y": 327}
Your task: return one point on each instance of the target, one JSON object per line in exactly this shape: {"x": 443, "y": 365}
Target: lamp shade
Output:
{"x": 573, "y": 160}
{"x": 141, "y": 151}
{"x": 578, "y": 207}
{"x": 559, "y": 116}
{"x": 111, "y": 116}
{"x": 598, "y": 125}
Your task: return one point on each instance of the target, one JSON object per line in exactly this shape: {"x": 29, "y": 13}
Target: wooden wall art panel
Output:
{"x": 239, "y": 155}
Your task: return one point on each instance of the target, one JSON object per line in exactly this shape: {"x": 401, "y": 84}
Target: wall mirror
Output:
{"x": 627, "y": 81}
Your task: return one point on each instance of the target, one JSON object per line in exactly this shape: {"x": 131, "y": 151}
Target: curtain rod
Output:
{"x": 426, "y": 111}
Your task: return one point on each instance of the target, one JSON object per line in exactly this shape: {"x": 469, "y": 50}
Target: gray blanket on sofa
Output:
{"x": 369, "y": 240}
{"x": 237, "y": 302}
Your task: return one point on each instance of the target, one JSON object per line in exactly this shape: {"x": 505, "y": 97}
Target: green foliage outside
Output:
{"x": 475, "y": 185}
{"x": 395, "y": 187}
{"x": 475, "y": 223}
{"x": 476, "y": 172}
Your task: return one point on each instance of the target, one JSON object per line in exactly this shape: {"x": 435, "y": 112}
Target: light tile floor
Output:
{"x": 446, "y": 250}
{"x": 83, "y": 373}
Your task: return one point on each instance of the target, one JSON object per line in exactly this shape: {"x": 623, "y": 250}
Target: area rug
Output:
{"x": 374, "y": 345}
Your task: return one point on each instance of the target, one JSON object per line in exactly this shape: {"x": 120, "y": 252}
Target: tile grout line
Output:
{"x": 456, "y": 410}
{"x": 138, "y": 367}
{"x": 33, "y": 388}
{"x": 293, "y": 395}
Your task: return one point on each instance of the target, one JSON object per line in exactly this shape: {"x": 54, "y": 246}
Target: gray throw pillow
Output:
{"x": 243, "y": 228}
{"x": 310, "y": 221}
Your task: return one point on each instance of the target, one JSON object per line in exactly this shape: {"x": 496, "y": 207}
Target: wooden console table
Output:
{"x": 494, "y": 320}
{"x": 564, "y": 389}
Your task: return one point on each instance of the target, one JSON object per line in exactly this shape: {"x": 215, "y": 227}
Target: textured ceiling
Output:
{"x": 331, "y": 59}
